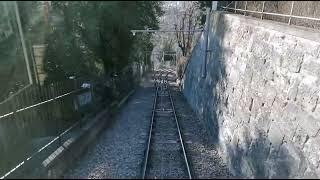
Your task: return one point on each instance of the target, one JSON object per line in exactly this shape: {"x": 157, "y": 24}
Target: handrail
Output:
{"x": 14, "y": 94}
{"x": 262, "y": 12}
{"x": 58, "y": 137}
{"x": 38, "y": 104}
{"x": 40, "y": 150}
{"x": 276, "y": 14}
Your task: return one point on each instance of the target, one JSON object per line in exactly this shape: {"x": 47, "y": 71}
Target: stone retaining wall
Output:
{"x": 260, "y": 95}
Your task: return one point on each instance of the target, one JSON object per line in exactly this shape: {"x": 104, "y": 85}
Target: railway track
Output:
{"x": 165, "y": 155}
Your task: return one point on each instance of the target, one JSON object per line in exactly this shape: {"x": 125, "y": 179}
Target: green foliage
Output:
{"x": 13, "y": 75}
{"x": 29, "y": 13}
{"x": 93, "y": 34}
{"x": 203, "y": 6}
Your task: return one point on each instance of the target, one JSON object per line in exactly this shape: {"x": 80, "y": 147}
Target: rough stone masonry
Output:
{"x": 260, "y": 95}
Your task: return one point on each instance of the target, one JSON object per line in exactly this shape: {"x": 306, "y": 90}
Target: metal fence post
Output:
{"x": 23, "y": 43}
{"x": 262, "y": 9}
{"x": 206, "y": 34}
{"x": 289, "y": 22}
{"x": 56, "y": 105}
{"x": 273, "y": 14}
{"x": 75, "y": 81}
{"x": 214, "y": 5}
{"x": 245, "y": 8}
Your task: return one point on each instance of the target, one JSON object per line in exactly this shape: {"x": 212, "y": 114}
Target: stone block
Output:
{"x": 262, "y": 50}
{"x": 282, "y": 82}
{"x": 315, "y": 50}
{"x": 234, "y": 77}
{"x": 264, "y": 121}
{"x": 272, "y": 163}
{"x": 308, "y": 81}
{"x": 247, "y": 78}
{"x": 293, "y": 90}
{"x": 309, "y": 101}
{"x": 244, "y": 138}
{"x": 309, "y": 123}
{"x": 275, "y": 135}
{"x": 269, "y": 74}
{"x": 287, "y": 163}
{"x": 288, "y": 128}
{"x": 317, "y": 171}
{"x": 277, "y": 109}
{"x": 296, "y": 160}
{"x": 296, "y": 60}
{"x": 311, "y": 65}
{"x": 242, "y": 65}
{"x": 310, "y": 174}
{"x": 270, "y": 95}
{"x": 235, "y": 139}
{"x": 258, "y": 153}
{"x": 290, "y": 112}
{"x": 312, "y": 151}
{"x": 246, "y": 168}
{"x": 278, "y": 61}
{"x": 316, "y": 111}
{"x": 227, "y": 134}
{"x": 300, "y": 137}
{"x": 257, "y": 81}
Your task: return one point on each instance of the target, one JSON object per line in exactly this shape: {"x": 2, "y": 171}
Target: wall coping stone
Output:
{"x": 297, "y": 31}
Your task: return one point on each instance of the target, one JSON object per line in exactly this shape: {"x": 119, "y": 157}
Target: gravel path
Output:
{"x": 119, "y": 150}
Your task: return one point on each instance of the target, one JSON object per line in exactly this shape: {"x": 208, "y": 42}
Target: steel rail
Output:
{"x": 180, "y": 137}
{"x": 164, "y": 80}
{"x": 150, "y": 134}
{"x": 157, "y": 78}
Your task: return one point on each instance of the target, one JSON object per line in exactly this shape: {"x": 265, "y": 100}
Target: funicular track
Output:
{"x": 165, "y": 154}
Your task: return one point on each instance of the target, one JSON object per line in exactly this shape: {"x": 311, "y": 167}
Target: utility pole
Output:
{"x": 214, "y": 5}
{"x": 206, "y": 36}
{"x": 23, "y": 42}
{"x": 46, "y": 11}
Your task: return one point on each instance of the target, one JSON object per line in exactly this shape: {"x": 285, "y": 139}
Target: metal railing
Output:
{"x": 264, "y": 9}
{"x": 51, "y": 104}
{"x": 37, "y": 111}
{"x": 38, "y": 104}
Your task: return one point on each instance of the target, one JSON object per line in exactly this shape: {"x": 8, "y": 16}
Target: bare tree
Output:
{"x": 188, "y": 19}
{"x": 179, "y": 15}
{"x": 168, "y": 45}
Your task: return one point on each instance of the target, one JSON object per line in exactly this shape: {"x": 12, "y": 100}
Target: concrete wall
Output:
{"x": 260, "y": 96}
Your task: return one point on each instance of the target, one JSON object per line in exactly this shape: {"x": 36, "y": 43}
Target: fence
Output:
{"x": 34, "y": 117}
{"x": 300, "y": 13}
{"x": 35, "y": 121}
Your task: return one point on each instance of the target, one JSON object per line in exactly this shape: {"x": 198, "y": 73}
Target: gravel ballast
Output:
{"x": 119, "y": 150}
{"x": 204, "y": 157}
